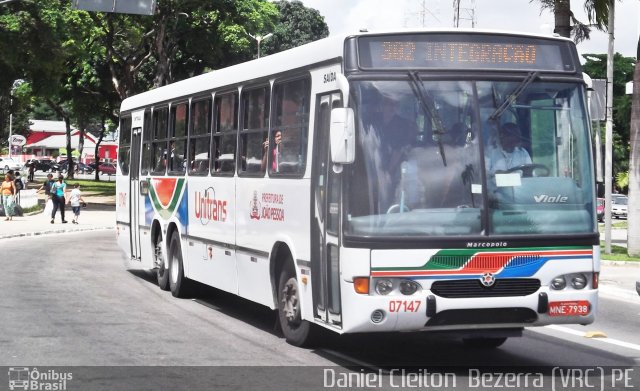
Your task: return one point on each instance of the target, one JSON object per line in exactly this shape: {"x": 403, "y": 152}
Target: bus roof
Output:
{"x": 314, "y": 52}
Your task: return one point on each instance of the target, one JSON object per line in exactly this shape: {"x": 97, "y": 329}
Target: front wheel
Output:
{"x": 483, "y": 343}
{"x": 296, "y": 331}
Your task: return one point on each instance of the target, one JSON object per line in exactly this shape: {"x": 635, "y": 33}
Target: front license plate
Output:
{"x": 569, "y": 308}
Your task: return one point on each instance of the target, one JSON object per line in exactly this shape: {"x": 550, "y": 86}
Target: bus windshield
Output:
{"x": 453, "y": 158}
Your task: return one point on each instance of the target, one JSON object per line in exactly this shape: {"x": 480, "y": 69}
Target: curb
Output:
{"x": 55, "y": 231}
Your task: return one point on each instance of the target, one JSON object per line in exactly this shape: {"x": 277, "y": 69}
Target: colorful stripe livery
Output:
{"x": 167, "y": 198}
{"x": 465, "y": 264}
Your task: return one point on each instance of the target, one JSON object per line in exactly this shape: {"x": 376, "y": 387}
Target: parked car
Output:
{"x": 78, "y": 167}
{"x": 600, "y": 209}
{"x": 107, "y": 168}
{"x": 40, "y": 164}
{"x": 619, "y": 206}
{"x": 7, "y": 163}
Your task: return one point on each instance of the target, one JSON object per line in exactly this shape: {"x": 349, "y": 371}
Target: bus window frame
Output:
{"x": 157, "y": 141}
{"x": 264, "y": 131}
{"x": 124, "y": 144}
{"x": 176, "y": 140}
{"x": 217, "y": 133}
{"x": 302, "y": 127}
{"x": 194, "y": 138}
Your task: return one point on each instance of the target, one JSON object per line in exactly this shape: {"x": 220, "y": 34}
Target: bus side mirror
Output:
{"x": 342, "y": 136}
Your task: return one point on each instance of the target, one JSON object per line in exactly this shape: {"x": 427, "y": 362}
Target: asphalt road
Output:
{"x": 68, "y": 301}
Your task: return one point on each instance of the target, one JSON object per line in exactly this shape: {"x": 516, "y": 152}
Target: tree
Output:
{"x": 567, "y": 25}
{"x": 596, "y": 67}
{"x": 297, "y": 25}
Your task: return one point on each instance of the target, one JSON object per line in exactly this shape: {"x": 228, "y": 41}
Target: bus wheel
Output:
{"x": 159, "y": 261}
{"x": 296, "y": 331}
{"x": 483, "y": 343}
{"x": 179, "y": 284}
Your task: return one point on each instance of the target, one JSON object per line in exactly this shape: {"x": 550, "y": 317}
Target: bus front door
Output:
{"x": 134, "y": 193}
{"x": 325, "y": 262}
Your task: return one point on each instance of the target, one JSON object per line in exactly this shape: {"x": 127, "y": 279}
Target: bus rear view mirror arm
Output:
{"x": 342, "y": 135}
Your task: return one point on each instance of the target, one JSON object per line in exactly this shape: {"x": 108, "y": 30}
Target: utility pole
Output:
{"x": 608, "y": 160}
{"x": 464, "y": 10}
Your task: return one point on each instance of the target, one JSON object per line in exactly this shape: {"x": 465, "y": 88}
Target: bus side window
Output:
{"x": 159, "y": 145}
{"x": 255, "y": 119}
{"x": 223, "y": 147}
{"x": 199, "y": 137}
{"x": 291, "y": 118}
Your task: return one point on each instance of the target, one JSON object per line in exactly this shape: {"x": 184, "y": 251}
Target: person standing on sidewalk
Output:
{"x": 75, "y": 199}
{"x": 8, "y": 192}
{"x": 58, "y": 194}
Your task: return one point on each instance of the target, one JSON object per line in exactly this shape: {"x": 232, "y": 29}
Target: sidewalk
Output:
{"x": 100, "y": 213}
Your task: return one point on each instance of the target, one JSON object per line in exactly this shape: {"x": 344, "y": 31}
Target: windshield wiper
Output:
{"x": 429, "y": 108}
{"x": 514, "y": 95}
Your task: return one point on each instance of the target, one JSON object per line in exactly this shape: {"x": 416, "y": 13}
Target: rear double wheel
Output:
{"x": 180, "y": 285}
{"x": 160, "y": 261}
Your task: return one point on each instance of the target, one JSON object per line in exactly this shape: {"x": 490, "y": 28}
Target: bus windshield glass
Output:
{"x": 437, "y": 158}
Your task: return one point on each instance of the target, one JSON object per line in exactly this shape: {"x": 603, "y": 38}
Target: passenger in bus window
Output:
{"x": 275, "y": 152}
{"x": 175, "y": 160}
{"x": 509, "y": 152}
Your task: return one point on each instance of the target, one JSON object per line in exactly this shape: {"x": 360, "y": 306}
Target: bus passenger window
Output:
{"x": 255, "y": 119}
{"x": 223, "y": 147}
{"x": 291, "y": 121}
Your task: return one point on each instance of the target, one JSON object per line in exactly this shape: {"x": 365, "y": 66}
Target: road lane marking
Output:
{"x": 611, "y": 341}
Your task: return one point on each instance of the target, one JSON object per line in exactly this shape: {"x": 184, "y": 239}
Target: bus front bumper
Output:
{"x": 424, "y": 311}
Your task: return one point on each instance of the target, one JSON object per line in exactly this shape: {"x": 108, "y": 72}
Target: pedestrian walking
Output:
{"x": 46, "y": 186}
{"x": 19, "y": 182}
{"x": 58, "y": 194}
{"x": 76, "y": 200}
{"x": 32, "y": 170}
{"x": 8, "y": 190}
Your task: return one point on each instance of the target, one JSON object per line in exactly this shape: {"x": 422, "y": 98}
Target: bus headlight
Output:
{"x": 408, "y": 287}
{"x": 558, "y": 283}
{"x": 578, "y": 281}
{"x": 384, "y": 287}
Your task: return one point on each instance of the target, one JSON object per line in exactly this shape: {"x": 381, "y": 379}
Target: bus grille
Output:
{"x": 474, "y": 288}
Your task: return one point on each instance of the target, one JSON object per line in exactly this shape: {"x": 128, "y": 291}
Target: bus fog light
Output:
{"x": 384, "y": 287}
{"x": 558, "y": 283}
{"x": 377, "y": 316}
{"x": 408, "y": 287}
{"x": 579, "y": 281}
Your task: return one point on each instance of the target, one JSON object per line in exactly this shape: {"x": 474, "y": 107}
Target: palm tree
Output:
{"x": 597, "y": 12}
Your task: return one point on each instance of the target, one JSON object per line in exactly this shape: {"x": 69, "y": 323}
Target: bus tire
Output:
{"x": 483, "y": 343}
{"x": 162, "y": 271}
{"x": 180, "y": 285}
{"x": 297, "y": 332}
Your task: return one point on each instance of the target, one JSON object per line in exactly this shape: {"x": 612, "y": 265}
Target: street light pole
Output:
{"x": 259, "y": 39}
{"x": 15, "y": 85}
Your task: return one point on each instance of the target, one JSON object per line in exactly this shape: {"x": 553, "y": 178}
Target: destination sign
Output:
{"x": 469, "y": 51}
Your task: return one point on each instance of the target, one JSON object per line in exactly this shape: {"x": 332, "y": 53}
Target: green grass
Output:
{"x": 101, "y": 188}
{"x": 35, "y": 208}
{"x": 618, "y": 253}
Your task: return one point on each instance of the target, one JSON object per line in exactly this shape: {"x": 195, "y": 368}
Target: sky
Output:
{"x": 346, "y": 16}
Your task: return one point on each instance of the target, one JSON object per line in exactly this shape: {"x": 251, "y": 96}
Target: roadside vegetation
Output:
{"x": 618, "y": 253}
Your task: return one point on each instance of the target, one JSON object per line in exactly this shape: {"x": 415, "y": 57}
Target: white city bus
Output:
{"x": 365, "y": 183}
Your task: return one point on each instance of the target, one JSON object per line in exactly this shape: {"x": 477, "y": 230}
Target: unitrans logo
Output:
{"x": 208, "y": 208}
{"x": 26, "y": 379}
